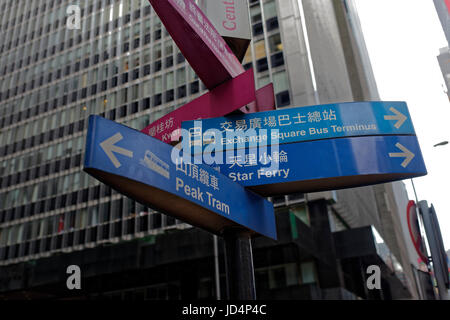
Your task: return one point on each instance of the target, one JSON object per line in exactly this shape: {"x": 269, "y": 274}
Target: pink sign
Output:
{"x": 220, "y": 101}
{"x": 199, "y": 41}
{"x": 265, "y": 101}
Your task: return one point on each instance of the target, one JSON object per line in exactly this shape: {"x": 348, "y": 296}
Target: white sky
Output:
{"x": 403, "y": 38}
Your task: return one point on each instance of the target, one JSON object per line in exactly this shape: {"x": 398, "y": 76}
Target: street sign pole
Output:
{"x": 238, "y": 246}
{"x": 216, "y": 266}
{"x": 239, "y": 264}
{"x": 220, "y": 70}
{"x": 434, "y": 237}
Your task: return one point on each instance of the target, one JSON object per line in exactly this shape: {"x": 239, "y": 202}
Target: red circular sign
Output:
{"x": 414, "y": 230}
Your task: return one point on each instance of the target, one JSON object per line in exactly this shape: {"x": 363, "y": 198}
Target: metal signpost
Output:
{"x": 154, "y": 173}
{"x": 414, "y": 231}
{"x": 306, "y": 123}
{"x": 298, "y": 150}
{"x": 438, "y": 254}
{"x": 322, "y": 165}
{"x": 316, "y": 148}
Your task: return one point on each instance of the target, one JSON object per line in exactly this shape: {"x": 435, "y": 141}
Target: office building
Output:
{"x": 123, "y": 65}
{"x": 444, "y": 63}
{"x": 443, "y": 10}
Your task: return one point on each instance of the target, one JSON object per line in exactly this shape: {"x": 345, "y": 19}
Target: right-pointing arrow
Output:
{"x": 408, "y": 155}
{"x": 400, "y": 117}
{"x": 109, "y": 147}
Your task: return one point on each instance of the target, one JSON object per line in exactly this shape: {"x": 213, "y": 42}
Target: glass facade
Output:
{"x": 122, "y": 65}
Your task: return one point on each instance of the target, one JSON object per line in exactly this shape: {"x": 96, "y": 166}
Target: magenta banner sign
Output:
{"x": 220, "y": 101}
{"x": 265, "y": 101}
{"x": 231, "y": 87}
{"x": 199, "y": 41}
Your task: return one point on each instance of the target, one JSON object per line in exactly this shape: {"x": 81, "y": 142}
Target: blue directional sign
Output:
{"x": 302, "y": 124}
{"x": 324, "y": 164}
{"x": 154, "y": 174}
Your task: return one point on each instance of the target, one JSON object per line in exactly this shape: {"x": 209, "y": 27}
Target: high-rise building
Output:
{"x": 443, "y": 10}
{"x": 444, "y": 63}
{"x": 123, "y": 65}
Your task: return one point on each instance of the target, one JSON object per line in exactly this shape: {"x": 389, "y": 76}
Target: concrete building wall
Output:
{"x": 394, "y": 219}
{"x": 443, "y": 10}
{"x": 342, "y": 70}
{"x": 338, "y": 57}
{"x": 444, "y": 63}
{"x": 296, "y": 53}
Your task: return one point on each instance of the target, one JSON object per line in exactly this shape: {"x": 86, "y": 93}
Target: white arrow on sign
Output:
{"x": 400, "y": 117}
{"x": 109, "y": 147}
{"x": 408, "y": 155}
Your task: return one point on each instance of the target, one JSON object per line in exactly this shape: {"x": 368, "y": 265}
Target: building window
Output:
{"x": 301, "y": 213}
{"x": 308, "y": 270}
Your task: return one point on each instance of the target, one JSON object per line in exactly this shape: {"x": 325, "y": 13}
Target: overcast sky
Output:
{"x": 403, "y": 38}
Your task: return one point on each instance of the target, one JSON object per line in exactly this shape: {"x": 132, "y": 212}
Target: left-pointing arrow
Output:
{"x": 408, "y": 155}
{"x": 109, "y": 147}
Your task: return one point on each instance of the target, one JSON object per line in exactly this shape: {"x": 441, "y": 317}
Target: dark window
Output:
{"x": 169, "y": 62}
{"x": 272, "y": 24}
{"x": 157, "y": 99}
{"x": 156, "y": 220}
{"x": 180, "y": 58}
{"x": 181, "y": 92}
{"x": 277, "y": 59}
{"x": 112, "y": 115}
{"x": 283, "y": 99}
{"x": 130, "y": 226}
{"x": 194, "y": 87}
{"x": 262, "y": 65}
{"x": 136, "y": 43}
{"x": 135, "y": 74}
{"x": 146, "y": 103}
{"x": 169, "y": 95}
{"x": 134, "y": 107}
{"x": 147, "y": 38}
{"x": 157, "y": 66}
{"x": 257, "y": 29}
{"x": 157, "y": 34}
{"x": 146, "y": 69}
{"x": 123, "y": 111}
